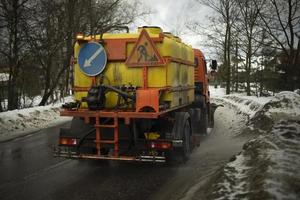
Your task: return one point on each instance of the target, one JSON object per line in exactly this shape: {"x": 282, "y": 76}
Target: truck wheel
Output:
{"x": 182, "y": 154}
{"x": 187, "y": 142}
{"x": 204, "y": 121}
{"x": 210, "y": 117}
{"x": 212, "y": 120}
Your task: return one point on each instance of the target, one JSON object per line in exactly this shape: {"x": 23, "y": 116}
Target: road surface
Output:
{"x": 29, "y": 171}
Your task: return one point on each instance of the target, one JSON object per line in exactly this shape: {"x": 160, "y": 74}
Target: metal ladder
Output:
{"x": 114, "y": 141}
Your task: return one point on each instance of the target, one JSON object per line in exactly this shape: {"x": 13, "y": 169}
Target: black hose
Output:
{"x": 83, "y": 138}
{"x": 88, "y": 133}
{"x": 123, "y": 94}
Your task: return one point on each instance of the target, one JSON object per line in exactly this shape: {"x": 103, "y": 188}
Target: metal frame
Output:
{"x": 115, "y": 115}
{"x": 127, "y": 115}
{"x": 67, "y": 154}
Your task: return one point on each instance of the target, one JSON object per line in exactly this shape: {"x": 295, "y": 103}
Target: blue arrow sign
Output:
{"x": 92, "y": 58}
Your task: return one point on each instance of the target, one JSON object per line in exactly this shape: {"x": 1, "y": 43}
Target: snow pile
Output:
{"x": 284, "y": 105}
{"x": 267, "y": 168}
{"x": 21, "y": 122}
{"x": 4, "y": 77}
{"x": 25, "y": 101}
{"x": 216, "y": 92}
{"x": 290, "y": 101}
{"x": 245, "y": 105}
{"x": 269, "y": 165}
{"x": 263, "y": 112}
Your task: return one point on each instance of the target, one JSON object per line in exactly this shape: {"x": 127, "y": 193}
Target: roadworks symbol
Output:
{"x": 144, "y": 53}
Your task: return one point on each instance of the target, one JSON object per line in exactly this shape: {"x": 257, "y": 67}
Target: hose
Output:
{"x": 123, "y": 94}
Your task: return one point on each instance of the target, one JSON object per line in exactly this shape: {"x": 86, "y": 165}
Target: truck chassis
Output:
{"x": 180, "y": 136}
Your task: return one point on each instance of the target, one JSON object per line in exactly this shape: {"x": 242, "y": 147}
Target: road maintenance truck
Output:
{"x": 137, "y": 97}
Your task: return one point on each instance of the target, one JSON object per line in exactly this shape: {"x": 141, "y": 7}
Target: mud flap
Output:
{"x": 213, "y": 108}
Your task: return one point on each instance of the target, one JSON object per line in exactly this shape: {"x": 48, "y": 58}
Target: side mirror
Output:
{"x": 214, "y": 65}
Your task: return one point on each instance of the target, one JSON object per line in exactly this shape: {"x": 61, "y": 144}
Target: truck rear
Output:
{"x": 137, "y": 97}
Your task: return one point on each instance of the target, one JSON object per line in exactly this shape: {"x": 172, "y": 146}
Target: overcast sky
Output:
{"x": 173, "y": 16}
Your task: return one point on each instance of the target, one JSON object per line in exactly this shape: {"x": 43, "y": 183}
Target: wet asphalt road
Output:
{"x": 29, "y": 171}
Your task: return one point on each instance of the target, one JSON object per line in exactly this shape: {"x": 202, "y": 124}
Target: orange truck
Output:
{"x": 137, "y": 97}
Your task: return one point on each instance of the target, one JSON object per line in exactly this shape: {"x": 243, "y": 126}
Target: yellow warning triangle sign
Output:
{"x": 144, "y": 53}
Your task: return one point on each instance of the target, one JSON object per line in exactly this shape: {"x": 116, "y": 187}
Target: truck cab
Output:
{"x": 201, "y": 77}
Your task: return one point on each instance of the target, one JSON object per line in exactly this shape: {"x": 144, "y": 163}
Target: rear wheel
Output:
{"x": 187, "y": 144}
{"x": 204, "y": 121}
{"x": 182, "y": 154}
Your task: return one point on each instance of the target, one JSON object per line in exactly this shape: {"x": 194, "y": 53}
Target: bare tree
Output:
{"x": 282, "y": 22}
{"x": 12, "y": 19}
{"x": 227, "y": 14}
{"x": 110, "y": 15}
{"x": 46, "y": 36}
{"x": 75, "y": 13}
{"x": 52, "y": 31}
{"x": 41, "y": 34}
{"x": 249, "y": 32}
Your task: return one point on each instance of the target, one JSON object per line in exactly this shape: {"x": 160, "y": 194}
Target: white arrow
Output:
{"x": 88, "y": 62}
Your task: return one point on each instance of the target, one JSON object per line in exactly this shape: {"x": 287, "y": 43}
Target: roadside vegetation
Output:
{"x": 257, "y": 43}
{"x": 36, "y": 43}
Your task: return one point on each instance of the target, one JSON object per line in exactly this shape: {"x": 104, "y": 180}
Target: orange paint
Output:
{"x": 147, "y": 98}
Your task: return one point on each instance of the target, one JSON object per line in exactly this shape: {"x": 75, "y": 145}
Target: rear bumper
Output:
{"x": 68, "y": 153}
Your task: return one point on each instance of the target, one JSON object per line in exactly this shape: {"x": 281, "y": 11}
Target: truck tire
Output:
{"x": 187, "y": 142}
{"x": 183, "y": 128}
{"x": 211, "y": 120}
{"x": 203, "y": 121}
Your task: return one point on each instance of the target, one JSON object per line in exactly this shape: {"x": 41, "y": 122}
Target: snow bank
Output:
{"x": 290, "y": 101}
{"x": 4, "y": 77}
{"x": 216, "y": 92}
{"x": 267, "y": 168}
{"x": 21, "y": 122}
{"x": 246, "y": 105}
{"x": 27, "y": 102}
{"x": 283, "y": 106}
{"x": 263, "y": 112}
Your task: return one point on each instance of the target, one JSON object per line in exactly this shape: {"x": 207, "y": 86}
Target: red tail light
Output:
{"x": 67, "y": 141}
{"x": 159, "y": 145}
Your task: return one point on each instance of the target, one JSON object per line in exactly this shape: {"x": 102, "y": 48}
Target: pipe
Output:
{"x": 123, "y": 94}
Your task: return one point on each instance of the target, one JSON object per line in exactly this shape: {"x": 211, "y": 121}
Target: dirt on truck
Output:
{"x": 138, "y": 97}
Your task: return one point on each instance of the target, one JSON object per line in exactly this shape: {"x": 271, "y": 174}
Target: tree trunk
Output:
{"x": 248, "y": 72}
{"x": 14, "y": 60}
{"x": 47, "y": 84}
{"x": 50, "y": 88}
{"x": 226, "y": 60}
{"x": 45, "y": 98}
{"x": 228, "y": 56}
{"x": 236, "y": 68}
{"x": 69, "y": 41}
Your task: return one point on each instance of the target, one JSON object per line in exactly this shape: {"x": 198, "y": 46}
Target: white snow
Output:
{"x": 235, "y": 180}
{"x": 247, "y": 105}
{"x": 4, "y": 77}
{"x": 23, "y": 121}
{"x": 27, "y": 102}
{"x": 216, "y": 92}
{"x": 272, "y": 157}
{"x": 290, "y": 101}
{"x": 284, "y": 103}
